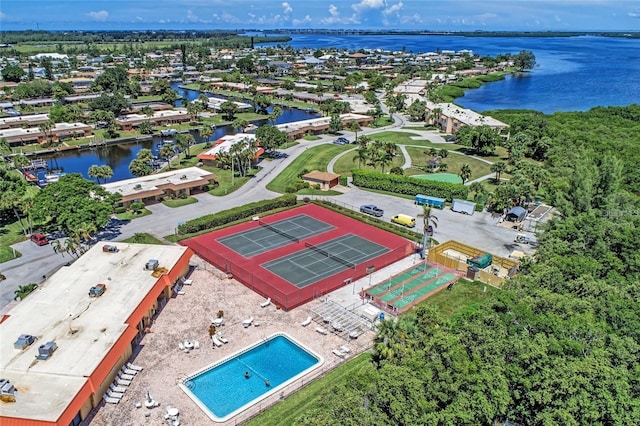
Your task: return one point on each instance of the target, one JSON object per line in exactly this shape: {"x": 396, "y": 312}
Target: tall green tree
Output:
{"x": 72, "y": 201}
{"x": 270, "y": 137}
{"x": 465, "y": 173}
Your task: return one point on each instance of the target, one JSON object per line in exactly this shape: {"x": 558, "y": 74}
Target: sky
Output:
{"x": 428, "y": 15}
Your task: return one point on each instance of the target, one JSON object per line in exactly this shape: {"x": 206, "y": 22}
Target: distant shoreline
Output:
{"x": 506, "y": 34}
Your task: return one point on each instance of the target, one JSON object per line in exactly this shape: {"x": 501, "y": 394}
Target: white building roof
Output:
{"x": 85, "y": 329}
{"x": 466, "y": 116}
{"x": 224, "y": 143}
{"x": 153, "y": 182}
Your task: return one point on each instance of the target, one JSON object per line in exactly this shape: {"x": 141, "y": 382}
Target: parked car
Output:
{"x": 372, "y": 210}
{"x": 523, "y": 239}
{"x": 341, "y": 141}
{"x": 39, "y": 239}
{"x": 451, "y": 139}
{"x": 403, "y": 219}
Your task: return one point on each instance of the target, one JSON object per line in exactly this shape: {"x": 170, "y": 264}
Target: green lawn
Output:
{"x": 454, "y": 162}
{"x": 143, "y": 238}
{"x": 464, "y": 295}
{"x": 311, "y": 138}
{"x": 287, "y": 411}
{"x": 349, "y": 161}
{"x": 179, "y": 202}
{"x": 316, "y": 158}
{"x": 128, "y": 215}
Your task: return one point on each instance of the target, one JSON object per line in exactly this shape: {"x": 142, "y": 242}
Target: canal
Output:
{"x": 118, "y": 156}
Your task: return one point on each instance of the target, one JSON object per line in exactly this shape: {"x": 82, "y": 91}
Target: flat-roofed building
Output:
{"x": 223, "y": 145}
{"x": 60, "y": 131}
{"x": 90, "y": 338}
{"x": 31, "y": 120}
{"x": 323, "y": 180}
{"x": 451, "y": 117}
{"x": 316, "y": 126}
{"x": 152, "y": 188}
{"x": 163, "y": 117}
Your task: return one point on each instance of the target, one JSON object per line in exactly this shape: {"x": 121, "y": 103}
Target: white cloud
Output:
{"x": 631, "y": 14}
{"x": 368, "y": 4}
{"x": 336, "y": 18}
{"x": 191, "y": 17}
{"x": 99, "y": 16}
{"x": 305, "y": 20}
{"x": 287, "y": 8}
{"x": 395, "y": 8}
{"x": 138, "y": 18}
{"x": 2, "y": 16}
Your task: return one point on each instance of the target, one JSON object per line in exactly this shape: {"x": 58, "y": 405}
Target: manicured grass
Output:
{"x": 287, "y": 411}
{"x": 311, "y": 138}
{"x": 464, "y": 295}
{"x": 227, "y": 185}
{"x": 179, "y": 202}
{"x": 7, "y": 253}
{"x": 128, "y": 215}
{"x": 454, "y": 162}
{"x": 143, "y": 238}
{"x": 382, "y": 121}
{"x": 349, "y": 161}
{"x": 316, "y": 158}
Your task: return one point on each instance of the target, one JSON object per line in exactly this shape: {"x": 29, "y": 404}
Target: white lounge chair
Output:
{"x": 246, "y": 323}
{"x": 125, "y": 376}
{"x": 129, "y": 371}
{"x": 217, "y": 322}
{"x": 134, "y": 367}
{"x": 215, "y": 341}
{"x": 110, "y": 400}
{"x": 186, "y": 281}
{"x": 306, "y": 322}
{"x": 338, "y": 353}
{"x": 112, "y": 394}
{"x": 114, "y": 388}
{"x": 346, "y": 349}
{"x": 196, "y": 345}
{"x": 222, "y": 338}
{"x": 266, "y": 303}
{"x": 181, "y": 346}
{"x": 122, "y": 382}
{"x": 321, "y": 330}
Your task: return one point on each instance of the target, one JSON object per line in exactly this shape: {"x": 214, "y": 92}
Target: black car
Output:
{"x": 341, "y": 141}
{"x": 372, "y": 210}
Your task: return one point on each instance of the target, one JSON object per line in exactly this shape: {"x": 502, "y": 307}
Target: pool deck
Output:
{"x": 188, "y": 316}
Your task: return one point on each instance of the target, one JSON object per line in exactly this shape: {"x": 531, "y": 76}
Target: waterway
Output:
{"x": 118, "y": 156}
{"x": 572, "y": 73}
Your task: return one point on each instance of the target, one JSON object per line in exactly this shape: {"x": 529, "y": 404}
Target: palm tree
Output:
{"x": 428, "y": 221}
{"x": 465, "y": 173}
{"x": 354, "y": 127}
{"x": 498, "y": 168}
{"x": 204, "y": 100}
{"x": 46, "y": 128}
{"x": 83, "y": 232}
{"x": 71, "y": 246}
{"x": 205, "y": 133}
{"x": 167, "y": 152}
{"x": 443, "y": 167}
{"x": 94, "y": 172}
{"x": 185, "y": 141}
{"x": 361, "y": 156}
{"x": 58, "y": 247}
{"x": 21, "y": 162}
{"x": 276, "y": 112}
{"x": 477, "y": 188}
{"x": 239, "y": 124}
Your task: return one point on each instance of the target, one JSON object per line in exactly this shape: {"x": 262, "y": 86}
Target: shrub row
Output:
{"x": 408, "y": 185}
{"x": 237, "y": 213}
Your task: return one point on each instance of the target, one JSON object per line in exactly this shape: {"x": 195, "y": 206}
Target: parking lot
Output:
{"x": 479, "y": 230}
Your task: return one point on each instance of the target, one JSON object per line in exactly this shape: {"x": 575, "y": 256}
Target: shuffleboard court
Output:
{"x": 268, "y": 236}
{"x": 315, "y": 263}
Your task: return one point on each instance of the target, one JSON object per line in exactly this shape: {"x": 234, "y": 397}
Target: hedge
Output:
{"x": 408, "y": 185}
{"x": 237, "y": 213}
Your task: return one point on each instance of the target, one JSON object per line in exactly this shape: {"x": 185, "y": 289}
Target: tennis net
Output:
{"x": 330, "y": 256}
{"x": 277, "y": 231}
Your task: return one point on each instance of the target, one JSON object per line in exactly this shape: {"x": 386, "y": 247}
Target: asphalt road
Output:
{"x": 479, "y": 230}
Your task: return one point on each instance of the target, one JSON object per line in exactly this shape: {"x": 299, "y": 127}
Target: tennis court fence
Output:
{"x": 283, "y": 293}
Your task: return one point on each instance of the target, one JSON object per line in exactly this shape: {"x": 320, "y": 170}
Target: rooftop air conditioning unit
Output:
{"x": 151, "y": 265}
{"x": 183, "y": 177}
{"x": 97, "y": 291}
{"x": 137, "y": 186}
{"x": 24, "y": 341}
{"x": 46, "y": 350}
{"x": 7, "y": 391}
{"x": 109, "y": 248}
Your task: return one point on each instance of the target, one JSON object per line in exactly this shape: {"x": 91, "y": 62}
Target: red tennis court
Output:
{"x": 300, "y": 254}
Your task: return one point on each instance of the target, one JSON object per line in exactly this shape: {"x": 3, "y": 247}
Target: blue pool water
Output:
{"x": 224, "y": 389}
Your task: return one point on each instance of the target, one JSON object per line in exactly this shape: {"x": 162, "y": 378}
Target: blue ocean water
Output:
{"x": 572, "y": 73}
{"x": 225, "y": 388}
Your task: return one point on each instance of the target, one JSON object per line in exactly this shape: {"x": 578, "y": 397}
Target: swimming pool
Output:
{"x": 221, "y": 390}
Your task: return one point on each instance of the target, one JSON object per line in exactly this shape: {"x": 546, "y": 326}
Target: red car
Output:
{"x": 39, "y": 239}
